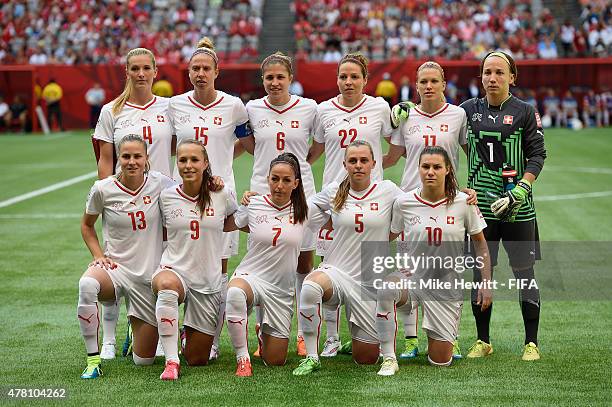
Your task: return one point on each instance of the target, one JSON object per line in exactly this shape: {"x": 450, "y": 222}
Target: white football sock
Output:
{"x": 110, "y": 316}
{"x": 330, "y": 316}
{"x": 237, "y": 321}
{"x": 299, "y": 280}
{"x": 87, "y": 312}
{"x": 410, "y": 317}
{"x": 167, "y": 315}
{"x": 386, "y": 321}
{"x": 310, "y": 315}
{"x": 221, "y": 315}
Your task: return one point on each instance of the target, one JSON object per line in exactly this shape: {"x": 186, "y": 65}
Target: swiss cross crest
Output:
{"x": 295, "y": 124}
{"x": 363, "y": 120}
{"x": 450, "y": 220}
{"x": 160, "y": 118}
{"x": 217, "y": 121}
{"x": 508, "y": 119}
{"x": 444, "y": 127}
{"x": 374, "y": 206}
{"x": 210, "y": 212}
{"x": 146, "y": 199}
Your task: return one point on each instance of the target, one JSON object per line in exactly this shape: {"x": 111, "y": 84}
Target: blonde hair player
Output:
{"x": 506, "y": 154}
{"x": 190, "y": 267}
{"x": 350, "y": 116}
{"x": 433, "y": 122}
{"x": 266, "y": 275}
{"x": 281, "y": 123}
{"x": 135, "y": 111}
{"x": 444, "y": 217}
{"x": 220, "y": 122}
{"x": 132, "y": 229}
{"x": 360, "y": 212}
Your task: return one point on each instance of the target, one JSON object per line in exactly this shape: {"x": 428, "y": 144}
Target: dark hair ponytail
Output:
{"x": 204, "y": 198}
{"x": 450, "y": 181}
{"x": 298, "y": 198}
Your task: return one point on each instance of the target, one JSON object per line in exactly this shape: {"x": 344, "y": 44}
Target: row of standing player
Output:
{"x": 207, "y": 104}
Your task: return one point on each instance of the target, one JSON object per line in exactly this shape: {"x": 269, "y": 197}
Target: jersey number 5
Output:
{"x": 359, "y": 226}
{"x": 138, "y": 220}
{"x": 275, "y": 238}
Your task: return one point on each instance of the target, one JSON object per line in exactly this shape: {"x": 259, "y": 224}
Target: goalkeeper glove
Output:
{"x": 400, "y": 113}
{"x": 508, "y": 205}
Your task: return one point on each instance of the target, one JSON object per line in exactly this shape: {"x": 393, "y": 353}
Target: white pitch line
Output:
{"x": 50, "y": 188}
{"x": 583, "y": 195}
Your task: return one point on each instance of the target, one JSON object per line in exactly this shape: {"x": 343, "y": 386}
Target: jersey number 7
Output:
{"x": 275, "y": 238}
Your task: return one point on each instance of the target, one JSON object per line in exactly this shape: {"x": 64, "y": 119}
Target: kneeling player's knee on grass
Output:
{"x": 365, "y": 353}
{"x": 272, "y": 359}
{"x": 440, "y": 353}
{"x": 196, "y": 358}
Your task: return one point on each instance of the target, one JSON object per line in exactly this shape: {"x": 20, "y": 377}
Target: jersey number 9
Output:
{"x": 195, "y": 229}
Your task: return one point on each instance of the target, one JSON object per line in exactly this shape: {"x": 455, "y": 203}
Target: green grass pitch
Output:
{"x": 42, "y": 256}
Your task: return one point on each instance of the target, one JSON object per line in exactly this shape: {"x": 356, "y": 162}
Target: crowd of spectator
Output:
{"x": 92, "y": 32}
{"x": 453, "y": 29}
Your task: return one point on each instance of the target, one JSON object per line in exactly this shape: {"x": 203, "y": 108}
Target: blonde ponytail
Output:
{"x": 120, "y": 100}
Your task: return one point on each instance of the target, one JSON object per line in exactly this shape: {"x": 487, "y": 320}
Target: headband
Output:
{"x": 288, "y": 160}
{"x": 208, "y": 51}
{"x": 501, "y": 55}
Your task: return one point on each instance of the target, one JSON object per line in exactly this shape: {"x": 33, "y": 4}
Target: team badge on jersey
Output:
{"x": 374, "y": 206}
{"x": 210, "y": 211}
{"x": 217, "y": 121}
{"x": 450, "y": 220}
{"x": 444, "y": 128}
{"x": 363, "y": 120}
{"x": 161, "y": 118}
{"x": 508, "y": 119}
{"x": 146, "y": 199}
{"x": 295, "y": 124}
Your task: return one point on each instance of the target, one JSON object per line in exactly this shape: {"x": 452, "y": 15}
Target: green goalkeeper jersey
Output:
{"x": 499, "y": 135}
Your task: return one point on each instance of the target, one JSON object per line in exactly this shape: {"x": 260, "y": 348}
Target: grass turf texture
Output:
{"x": 42, "y": 258}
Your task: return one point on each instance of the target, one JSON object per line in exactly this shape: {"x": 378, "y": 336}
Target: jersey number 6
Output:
{"x": 280, "y": 141}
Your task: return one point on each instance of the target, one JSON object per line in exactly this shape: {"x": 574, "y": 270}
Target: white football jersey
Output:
{"x": 214, "y": 125}
{"x": 149, "y": 121}
{"x": 195, "y": 240}
{"x": 366, "y": 217}
{"x": 275, "y": 240}
{"x": 432, "y": 224}
{"x": 337, "y": 126}
{"x": 131, "y": 222}
{"x": 446, "y": 128}
{"x": 279, "y": 129}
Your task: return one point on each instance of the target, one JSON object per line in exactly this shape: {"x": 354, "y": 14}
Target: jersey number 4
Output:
{"x": 147, "y": 134}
